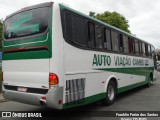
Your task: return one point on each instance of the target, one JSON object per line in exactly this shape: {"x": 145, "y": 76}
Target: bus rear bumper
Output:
{"x": 52, "y": 98}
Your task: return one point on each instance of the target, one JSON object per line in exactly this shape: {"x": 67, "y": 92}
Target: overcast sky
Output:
{"x": 143, "y": 15}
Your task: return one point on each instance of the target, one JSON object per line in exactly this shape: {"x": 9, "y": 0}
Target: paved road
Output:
{"x": 140, "y": 99}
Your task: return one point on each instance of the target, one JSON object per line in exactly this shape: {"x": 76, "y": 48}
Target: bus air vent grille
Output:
{"x": 75, "y": 91}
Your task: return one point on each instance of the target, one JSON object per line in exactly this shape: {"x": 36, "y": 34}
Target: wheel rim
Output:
{"x": 111, "y": 92}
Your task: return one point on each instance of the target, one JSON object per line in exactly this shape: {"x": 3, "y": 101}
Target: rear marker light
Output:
{"x": 43, "y": 100}
{"x": 2, "y": 76}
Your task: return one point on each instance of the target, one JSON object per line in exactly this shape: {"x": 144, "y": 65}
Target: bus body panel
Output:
{"x": 27, "y": 73}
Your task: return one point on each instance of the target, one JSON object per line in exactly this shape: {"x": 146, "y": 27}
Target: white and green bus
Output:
{"x": 57, "y": 57}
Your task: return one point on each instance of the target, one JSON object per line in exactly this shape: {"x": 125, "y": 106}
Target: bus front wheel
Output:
{"x": 150, "y": 80}
{"x": 110, "y": 94}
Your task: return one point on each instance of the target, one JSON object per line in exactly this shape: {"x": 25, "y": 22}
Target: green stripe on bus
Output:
{"x": 87, "y": 100}
{"x": 132, "y": 70}
{"x": 129, "y": 87}
{"x": 26, "y": 55}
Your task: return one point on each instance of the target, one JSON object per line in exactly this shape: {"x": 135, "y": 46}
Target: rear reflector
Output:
{"x": 44, "y": 97}
{"x": 60, "y": 102}
{"x": 53, "y": 79}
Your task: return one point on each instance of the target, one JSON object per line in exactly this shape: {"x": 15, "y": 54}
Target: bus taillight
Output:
{"x": 53, "y": 79}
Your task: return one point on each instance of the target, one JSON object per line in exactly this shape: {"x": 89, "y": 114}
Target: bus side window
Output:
{"x": 143, "y": 47}
{"x": 140, "y": 48}
{"x": 79, "y": 30}
{"x": 98, "y": 36}
{"x": 121, "y": 43}
{"x": 131, "y": 45}
{"x": 91, "y": 35}
{"x": 136, "y": 47}
{"x": 107, "y": 39}
{"x": 125, "y": 44}
{"x": 149, "y": 50}
{"x": 152, "y": 50}
{"x": 75, "y": 29}
{"x": 158, "y": 57}
{"x": 68, "y": 26}
{"x": 146, "y": 50}
{"x": 115, "y": 46}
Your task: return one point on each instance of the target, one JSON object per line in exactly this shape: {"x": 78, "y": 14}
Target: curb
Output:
{"x": 2, "y": 99}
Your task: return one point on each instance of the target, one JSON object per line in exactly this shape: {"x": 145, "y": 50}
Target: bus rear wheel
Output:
{"x": 110, "y": 94}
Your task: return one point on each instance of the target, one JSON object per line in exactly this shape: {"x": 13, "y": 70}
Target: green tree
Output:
{"x": 1, "y": 30}
{"x": 113, "y": 18}
{"x": 92, "y": 14}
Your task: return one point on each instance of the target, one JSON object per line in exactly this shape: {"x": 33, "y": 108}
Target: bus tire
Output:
{"x": 149, "y": 83}
{"x": 150, "y": 80}
{"x": 110, "y": 94}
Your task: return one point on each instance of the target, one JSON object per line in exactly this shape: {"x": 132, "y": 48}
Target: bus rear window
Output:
{"x": 27, "y": 23}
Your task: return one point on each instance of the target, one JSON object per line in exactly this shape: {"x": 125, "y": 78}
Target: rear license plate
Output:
{"x": 22, "y": 89}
